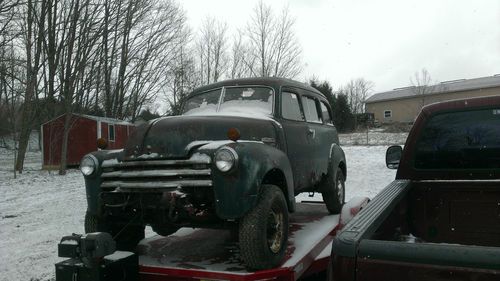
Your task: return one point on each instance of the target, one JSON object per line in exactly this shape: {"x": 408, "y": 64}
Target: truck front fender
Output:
{"x": 93, "y": 182}
{"x": 236, "y": 191}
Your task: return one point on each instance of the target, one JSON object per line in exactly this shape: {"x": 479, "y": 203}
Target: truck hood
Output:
{"x": 177, "y": 136}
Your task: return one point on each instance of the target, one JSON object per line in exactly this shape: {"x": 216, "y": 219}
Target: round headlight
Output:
{"x": 225, "y": 159}
{"x": 88, "y": 165}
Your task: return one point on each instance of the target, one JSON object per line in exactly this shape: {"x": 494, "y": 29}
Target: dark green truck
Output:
{"x": 236, "y": 158}
{"x": 440, "y": 218}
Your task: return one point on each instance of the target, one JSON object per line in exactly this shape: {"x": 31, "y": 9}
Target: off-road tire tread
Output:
{"x": 90, "y": 223}
{"x": 252, "y": 231}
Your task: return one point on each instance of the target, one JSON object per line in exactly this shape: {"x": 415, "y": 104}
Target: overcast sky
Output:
{"x": 384, "y": 41}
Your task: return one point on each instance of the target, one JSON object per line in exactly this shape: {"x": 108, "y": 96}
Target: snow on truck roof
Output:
{"x": 441, "y": 88}
{"x": 258, "y": 81}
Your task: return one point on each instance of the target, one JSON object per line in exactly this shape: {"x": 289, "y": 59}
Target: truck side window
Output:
{"x": 327, "y": 116}
{"x": 310, "y": 110}
{"x": 290, "y": 107}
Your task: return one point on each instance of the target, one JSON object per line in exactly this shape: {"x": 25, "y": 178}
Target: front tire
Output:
{"x": 91, "y": 223}
{"x": 263, "y": 232}
{"x": 334, "y": 192}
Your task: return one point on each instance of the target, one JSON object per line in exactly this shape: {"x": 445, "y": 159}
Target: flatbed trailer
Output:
{"x": 205, "y": 254}
{"x": 208, "y": 254}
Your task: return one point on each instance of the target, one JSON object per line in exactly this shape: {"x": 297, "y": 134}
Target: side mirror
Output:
{"x": 392, "y": 156}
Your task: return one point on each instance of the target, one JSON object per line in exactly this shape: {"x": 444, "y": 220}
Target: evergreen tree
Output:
{"x": 326, "y": 89}
{"x": 342, "y": 115}
{"x": 343, "y": 119}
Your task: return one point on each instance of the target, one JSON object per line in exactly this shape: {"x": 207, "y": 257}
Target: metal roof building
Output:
{"x": 404, "y": 104}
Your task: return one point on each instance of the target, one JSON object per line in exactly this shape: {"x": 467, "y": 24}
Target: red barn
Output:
{"x": 82, "y": 139}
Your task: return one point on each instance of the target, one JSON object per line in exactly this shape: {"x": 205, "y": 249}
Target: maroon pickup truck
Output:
{"x": 440, "y": 218}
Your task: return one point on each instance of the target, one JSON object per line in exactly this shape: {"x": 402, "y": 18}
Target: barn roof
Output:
{"x": 441, "y": 88}
{"x": 105, "y": 119}
{"x": 96, "y": 118}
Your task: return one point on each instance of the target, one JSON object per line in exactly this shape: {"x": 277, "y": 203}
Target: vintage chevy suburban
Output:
{"x": 236, "y": 158}
{"x": 440, "y": 218}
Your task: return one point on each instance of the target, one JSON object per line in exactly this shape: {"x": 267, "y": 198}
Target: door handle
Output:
{"x": 311, "y": 133}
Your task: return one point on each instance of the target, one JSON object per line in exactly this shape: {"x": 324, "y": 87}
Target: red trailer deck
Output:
{"x": 208, "y": 254}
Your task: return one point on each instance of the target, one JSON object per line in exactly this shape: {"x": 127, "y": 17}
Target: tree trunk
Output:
{"x": 23, "y": 146}
{"x": 64, "y": 148}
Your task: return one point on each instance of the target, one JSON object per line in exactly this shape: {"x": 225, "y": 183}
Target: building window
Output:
{"x": 387, "y": 113}
{"x": 111, "y": 132}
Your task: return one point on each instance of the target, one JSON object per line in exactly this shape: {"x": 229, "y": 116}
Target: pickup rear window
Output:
{"x": 460, "y": 140}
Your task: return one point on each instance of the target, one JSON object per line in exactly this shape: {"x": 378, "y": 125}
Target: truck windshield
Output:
{"x": 231, "y": 100}
{"x": 460, "y": 140}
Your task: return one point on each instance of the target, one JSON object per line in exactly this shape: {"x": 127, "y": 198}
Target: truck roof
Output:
{"x": 275, "y": 82}
{"x": 462, "y": 104}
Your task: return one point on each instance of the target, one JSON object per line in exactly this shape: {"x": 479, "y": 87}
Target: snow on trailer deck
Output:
{"x": 213, "y": 254}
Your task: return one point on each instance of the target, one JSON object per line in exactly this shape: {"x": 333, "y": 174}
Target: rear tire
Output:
{"x": 334, "y": 192}
{"x": 263, "y": 232}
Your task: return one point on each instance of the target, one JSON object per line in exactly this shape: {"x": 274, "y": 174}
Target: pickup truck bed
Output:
{"x": 440, "y": 219}
{"x": 440, "y": 230}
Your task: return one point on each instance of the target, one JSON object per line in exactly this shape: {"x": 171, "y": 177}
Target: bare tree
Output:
{"x": 78, "y": 56}
{"x": 32, "y": 26}
{"x": 356, "y": 91}
{"x": 7, "y": 19}
{"x": 81, "y": 37}
{"x": 183, "y": 79}
{"x": 138, "y": 46}
{"x": 211, "y": 47}
{"x": 164, "y": 37}
{"x": 240, "y": 66}
{"x": 422, "y": 85}
{"x": 273, "y": 44}
{"x": 11, "y": 77}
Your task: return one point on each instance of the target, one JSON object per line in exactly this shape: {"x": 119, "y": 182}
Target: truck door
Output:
{"x": 296, "y": 135}
{"x": 320, "y": 138}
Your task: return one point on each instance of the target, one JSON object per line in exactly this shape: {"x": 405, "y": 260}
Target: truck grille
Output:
{"x": 157, "y": 175}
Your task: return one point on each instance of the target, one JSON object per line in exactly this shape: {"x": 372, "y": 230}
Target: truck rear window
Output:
{"x": 460, "y": 140}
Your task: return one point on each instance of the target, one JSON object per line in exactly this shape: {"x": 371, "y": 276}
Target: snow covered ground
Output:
{"x": 39, "y": 207}
{"x": 374, "y": 137}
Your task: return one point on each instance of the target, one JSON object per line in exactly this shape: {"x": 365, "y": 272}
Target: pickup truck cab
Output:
{"x": 440, "y": 218}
